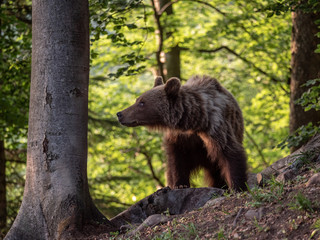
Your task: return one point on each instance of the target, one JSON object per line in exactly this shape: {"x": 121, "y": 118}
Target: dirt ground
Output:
{"x": 279, "y": 210}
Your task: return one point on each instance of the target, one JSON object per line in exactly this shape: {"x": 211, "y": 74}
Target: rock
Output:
{"x": 261, "y": 179}
{"x": 286, "y": 176}
{"x": 150, "y": 222}
{"x": 251, "y": 215}
{"x": 292, "y": 161}
{"x": 236, "y": 236}
{"x": 314, "y": 180}
{"x": 252, "y": 180}
{"x": 215, "y": 201}
{"x": 127, "y": 227}
{"x": 173, "y": 201}
{"x": 255, "y": 214}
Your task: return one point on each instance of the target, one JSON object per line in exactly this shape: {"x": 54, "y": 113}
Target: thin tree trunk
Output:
{"x": 172, "y": 63}
{"x": 159, "y": 36}
{"x": 3, "y": 199}
{"x": 305, "y": 64}
{"x": 56, "y": 199}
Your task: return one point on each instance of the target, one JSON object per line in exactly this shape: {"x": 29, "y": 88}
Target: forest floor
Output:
{"x": 279, "y": 210}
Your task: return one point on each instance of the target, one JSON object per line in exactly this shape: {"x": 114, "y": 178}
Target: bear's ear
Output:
{"x": 158, "y": 81}
{"x": 172, "y": 86}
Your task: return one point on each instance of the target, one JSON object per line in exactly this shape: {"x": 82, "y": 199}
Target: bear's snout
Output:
{"x": 119, "y": 115}
{"x": 125, "y": 119}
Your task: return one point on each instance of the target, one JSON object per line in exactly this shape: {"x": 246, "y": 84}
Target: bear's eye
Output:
{"x": 141, "y": 104}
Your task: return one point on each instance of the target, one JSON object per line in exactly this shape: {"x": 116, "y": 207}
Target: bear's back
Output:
{"x": 202, "y": 81}
{"x": 209, "y": 86}
{"x": 218, "y": 102}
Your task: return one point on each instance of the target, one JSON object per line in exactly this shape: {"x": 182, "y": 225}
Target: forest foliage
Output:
{"x": 244, "y": 44}
{"x": 236, "y": 42}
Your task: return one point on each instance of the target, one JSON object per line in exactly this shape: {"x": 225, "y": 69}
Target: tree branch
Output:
{"x": 14, "y": 155}
{"x": 22, "y": 19}
{"x": 20, "y": 13}
{"x": 251, "y": 63}
{"x": 272, "y": 78}
{"x": 265, "y": 163}
{"x": 104, "y": 121}
{"x": 111, "y": 200}
{"x": 139, "y": 171}
{"x": 163, "y": 9}
{"x": 16, "y": 161}
{"x": 211, "y": 6}
{"x": 149, "y": 161}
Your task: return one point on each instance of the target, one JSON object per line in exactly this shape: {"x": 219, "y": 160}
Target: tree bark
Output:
{"x": 56, "y": 201}
{"x": 3, "y": 199}
{"x": 172, "y": 63}
{"x": 159, "y": 36}
{"x": 305, "y": 65}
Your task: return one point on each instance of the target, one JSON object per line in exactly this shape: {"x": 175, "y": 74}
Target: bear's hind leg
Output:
{"x": 234, "y": 166}
{"x": 231, "y": 160}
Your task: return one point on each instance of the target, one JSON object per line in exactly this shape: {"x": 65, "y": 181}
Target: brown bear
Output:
{"x": 203, "y": 127}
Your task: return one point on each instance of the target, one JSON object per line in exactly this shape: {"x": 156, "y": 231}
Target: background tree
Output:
{"x": 56, "y": 199}
{"x": 172, "y": 54}
{"x": 15, "y": 52}
{"x": 304, "y": 81}
{"x": 3, "y": 199}
{"x": 305, "y": 64}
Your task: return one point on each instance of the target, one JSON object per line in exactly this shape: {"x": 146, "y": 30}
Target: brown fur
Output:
{"x": 204, "y": 129}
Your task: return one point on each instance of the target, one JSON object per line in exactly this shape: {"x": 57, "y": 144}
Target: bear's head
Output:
{"x": 152, "y": 107}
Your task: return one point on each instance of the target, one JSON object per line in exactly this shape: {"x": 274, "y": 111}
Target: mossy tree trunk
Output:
{"x": 305, "y": 65}
{"x": 3, "y": 199}
{"x": 56, "y": 201}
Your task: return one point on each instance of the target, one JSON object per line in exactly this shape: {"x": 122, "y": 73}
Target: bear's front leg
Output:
{"x": 178, "y": 173}
{"x": 183, "y": 151}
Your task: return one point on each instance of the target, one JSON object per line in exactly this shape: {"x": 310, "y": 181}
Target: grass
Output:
{"x": 293, "y": 224}
{"x": 302, "y": 203}
{"x": 305, "y": 158}
{"x": 220, "y": 234}
{"x": 316, "y": 227}
{"x": 165, "y": 236}
{"x": 192, "y": 230}
{"x": 261, "y": 195}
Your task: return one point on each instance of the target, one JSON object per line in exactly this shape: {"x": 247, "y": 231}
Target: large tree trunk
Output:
{"x": 56, "y": 199}
{"x": 305, "y": 64}
{"x": 3, "y": 199}
{"x": 172, "y": 63}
